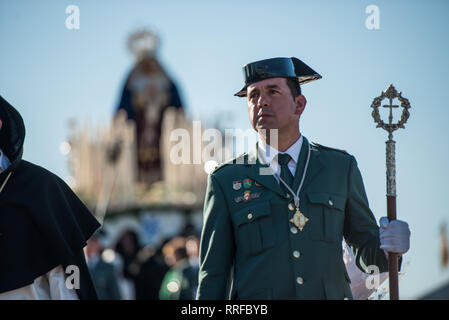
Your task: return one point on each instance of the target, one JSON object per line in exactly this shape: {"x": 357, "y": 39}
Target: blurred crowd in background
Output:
{"x": 128, "y": 271}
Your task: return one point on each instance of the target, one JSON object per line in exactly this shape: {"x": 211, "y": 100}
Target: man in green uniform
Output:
{"x": 275, "y": 218}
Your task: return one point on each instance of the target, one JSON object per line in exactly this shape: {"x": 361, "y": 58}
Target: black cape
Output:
{"x": 43, "y": 224}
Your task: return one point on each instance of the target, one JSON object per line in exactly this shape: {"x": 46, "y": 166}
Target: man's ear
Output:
{"x": 300, "y": 102}
{"x": 1, "y": 124}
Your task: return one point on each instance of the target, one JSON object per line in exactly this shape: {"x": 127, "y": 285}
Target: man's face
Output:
{"x": 271, "y": 106}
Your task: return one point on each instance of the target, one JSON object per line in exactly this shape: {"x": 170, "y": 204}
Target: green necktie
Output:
{"x": 286, "y": 175}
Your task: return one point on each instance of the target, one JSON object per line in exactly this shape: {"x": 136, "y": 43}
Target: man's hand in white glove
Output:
{"x": 394, "y": 236}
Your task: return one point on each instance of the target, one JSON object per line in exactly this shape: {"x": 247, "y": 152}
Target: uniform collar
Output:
{"x": 268, "y": 153}
{"x": 260, "y": 171}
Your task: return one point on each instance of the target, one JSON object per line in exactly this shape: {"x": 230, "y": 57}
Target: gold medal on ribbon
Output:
{"x": 299, "y": 220}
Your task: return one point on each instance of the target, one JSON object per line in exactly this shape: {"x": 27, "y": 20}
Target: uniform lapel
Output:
{"x": 315, "y": 164}
{"x": 300, "y": 164}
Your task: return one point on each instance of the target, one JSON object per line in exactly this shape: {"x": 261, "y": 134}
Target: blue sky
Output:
{"x": 52, "y": 74}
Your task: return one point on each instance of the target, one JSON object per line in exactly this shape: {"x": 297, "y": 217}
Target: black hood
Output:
{"x": 12, "y": 133}
{"x": 43, "y": 223}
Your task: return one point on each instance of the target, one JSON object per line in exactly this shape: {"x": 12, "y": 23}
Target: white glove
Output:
{"x": 394, "y": 236}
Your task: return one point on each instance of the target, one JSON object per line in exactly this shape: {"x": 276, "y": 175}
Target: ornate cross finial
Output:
{"x": 390, "y": 94}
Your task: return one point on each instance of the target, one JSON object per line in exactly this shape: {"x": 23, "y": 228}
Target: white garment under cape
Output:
{"x": 50, "y": 286}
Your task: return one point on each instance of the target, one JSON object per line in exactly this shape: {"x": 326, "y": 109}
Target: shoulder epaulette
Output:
{"x": 328, "y": 148}
{"x": 231, "y": 161}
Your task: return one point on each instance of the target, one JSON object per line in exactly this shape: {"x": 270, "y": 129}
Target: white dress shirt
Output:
{"x": 268, "y": 155}
{"x": 50, "y": 286}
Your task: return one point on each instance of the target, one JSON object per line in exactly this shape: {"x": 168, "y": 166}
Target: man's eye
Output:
{"x": 273, "y": 91}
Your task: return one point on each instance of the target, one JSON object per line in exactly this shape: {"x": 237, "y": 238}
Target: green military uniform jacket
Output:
{"x": 250, "y": 240}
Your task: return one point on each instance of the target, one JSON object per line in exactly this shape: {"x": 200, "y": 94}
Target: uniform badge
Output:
{"x": 247, "y": 195}
{"x": 247, "y": 183}
{"x": 237, "y": 185}
{"x": 255, "y": 195}
{"x": 299, "y": 220}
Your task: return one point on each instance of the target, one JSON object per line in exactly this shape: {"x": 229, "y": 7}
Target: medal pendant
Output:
{"x": 299, "y": 220}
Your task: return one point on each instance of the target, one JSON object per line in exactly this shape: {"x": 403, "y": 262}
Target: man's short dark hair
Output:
{"x": 294, "y": 86}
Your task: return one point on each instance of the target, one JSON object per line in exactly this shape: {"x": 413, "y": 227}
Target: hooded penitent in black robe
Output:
{"x": 43, "y": 224}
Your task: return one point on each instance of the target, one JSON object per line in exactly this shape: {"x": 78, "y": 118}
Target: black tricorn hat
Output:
{"x": 274, "y": 68}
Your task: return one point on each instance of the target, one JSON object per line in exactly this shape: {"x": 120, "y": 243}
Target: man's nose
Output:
{"x": 262, "y": 101}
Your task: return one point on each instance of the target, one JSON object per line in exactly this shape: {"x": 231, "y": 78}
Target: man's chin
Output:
{"x": 264, "y": 125}
{"x": 265, "y": 129}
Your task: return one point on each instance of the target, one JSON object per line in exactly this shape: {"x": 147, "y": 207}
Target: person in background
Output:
{"x": 192, "y": 248}
{"x": 103, "y": 272}
{"x": 127, "y": 247}
{"x": 152, "y": 270}
{"x": 181, "y": 280}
